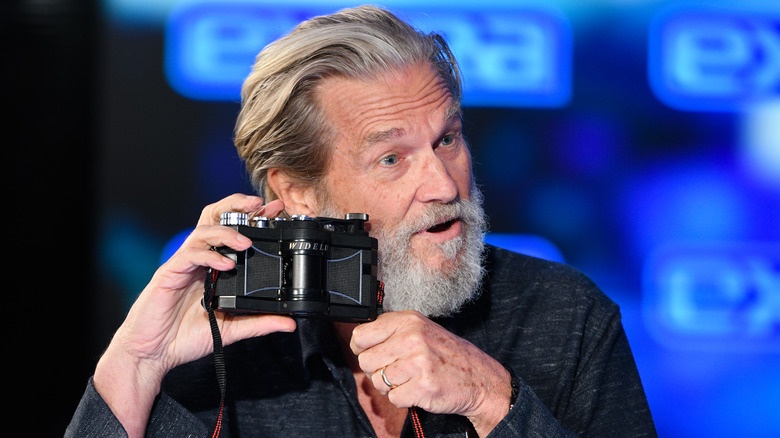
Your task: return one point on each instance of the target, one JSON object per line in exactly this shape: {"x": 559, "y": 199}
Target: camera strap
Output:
{"x": 416, "y": 425}
{"x": 219, "y": 358}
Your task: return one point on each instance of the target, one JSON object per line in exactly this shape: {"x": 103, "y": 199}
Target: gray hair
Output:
{"x": 281, "y": 124}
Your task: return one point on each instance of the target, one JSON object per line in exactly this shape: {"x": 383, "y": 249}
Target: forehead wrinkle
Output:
{"x": 380, "y": 110}
{"x": 374, "y": 137}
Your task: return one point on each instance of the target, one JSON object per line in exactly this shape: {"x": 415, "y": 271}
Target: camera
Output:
{"x": 303, "y": 266}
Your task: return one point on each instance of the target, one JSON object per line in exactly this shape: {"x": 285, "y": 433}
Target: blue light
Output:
{"x": 760, "y": 144}
{"x": 508, "y": 56}
{"x": 535, "y": 246}
{"x": 686, "y": 201}
{"x": 707, "y": 59}
{"x": 173, "y": 244}
{"x": 210, "y": 46}
{"x": 128, "y": 253}
{"x": 714, "y": 296}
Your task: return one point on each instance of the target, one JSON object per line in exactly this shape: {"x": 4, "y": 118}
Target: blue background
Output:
{"x": 637, "y": 141}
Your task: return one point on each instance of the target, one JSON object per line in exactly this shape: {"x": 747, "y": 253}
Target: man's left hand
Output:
{"x": 432, "y": 369}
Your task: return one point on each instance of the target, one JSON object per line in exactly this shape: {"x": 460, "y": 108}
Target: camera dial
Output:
{"x": 232, "y": 218}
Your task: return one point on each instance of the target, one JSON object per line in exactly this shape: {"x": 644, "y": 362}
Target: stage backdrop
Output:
{"x": 638, "y": 141}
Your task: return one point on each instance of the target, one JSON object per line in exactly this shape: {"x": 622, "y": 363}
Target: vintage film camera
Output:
{"x": 302, "y": 266}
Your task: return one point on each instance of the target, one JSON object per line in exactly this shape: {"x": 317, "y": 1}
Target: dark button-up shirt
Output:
{"x": 561, "y": 336}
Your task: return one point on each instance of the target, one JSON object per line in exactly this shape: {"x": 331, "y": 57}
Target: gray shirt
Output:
{"x": 559, "y": 334}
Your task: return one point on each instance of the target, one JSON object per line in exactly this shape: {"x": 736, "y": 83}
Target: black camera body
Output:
{"x": 302, "y": 266}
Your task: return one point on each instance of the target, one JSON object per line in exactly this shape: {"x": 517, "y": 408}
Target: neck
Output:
{"x": 344, "y": 335}
{"x": 386, "y": 419}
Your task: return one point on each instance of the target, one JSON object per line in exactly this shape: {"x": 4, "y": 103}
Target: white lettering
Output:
{"x": 307, "y": 246}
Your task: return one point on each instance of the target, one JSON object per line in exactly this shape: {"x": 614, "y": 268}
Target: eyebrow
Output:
{"x": 373, "y": 138}
{"x": 380, "y": 136}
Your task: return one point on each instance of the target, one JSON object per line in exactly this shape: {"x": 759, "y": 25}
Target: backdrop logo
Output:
{"x": 513, "y": 57}
{"x": 718, "y": 60}
{"x": 715, "y": 296}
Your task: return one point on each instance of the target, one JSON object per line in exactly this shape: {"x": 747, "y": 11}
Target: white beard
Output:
{"x": 409, "y": 282}
{"x": 434, "y": 291}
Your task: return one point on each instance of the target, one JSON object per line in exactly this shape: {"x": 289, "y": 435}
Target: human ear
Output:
{"x": 298, "y": 197}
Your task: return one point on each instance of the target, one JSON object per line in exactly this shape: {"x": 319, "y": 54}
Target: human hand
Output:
{"x": 432, "y": 369}
{"x": 167, "y": 325}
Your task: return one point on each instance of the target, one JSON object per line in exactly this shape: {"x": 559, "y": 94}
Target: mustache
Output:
{"x": 434, "y": 215}
{"x": 468, "y": 211}
{"x": 437, "y": 214}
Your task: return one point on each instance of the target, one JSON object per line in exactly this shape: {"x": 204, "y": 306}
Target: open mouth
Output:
{"x": 444, "y": 226}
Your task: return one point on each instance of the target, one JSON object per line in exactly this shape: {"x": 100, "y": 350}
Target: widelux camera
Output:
{"x": 302, "y": 266}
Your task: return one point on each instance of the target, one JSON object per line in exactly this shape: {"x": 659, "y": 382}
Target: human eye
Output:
{"x": 447, "y": 140}
{"x": 450, "y": 141}
{"x": 389, "y": 160}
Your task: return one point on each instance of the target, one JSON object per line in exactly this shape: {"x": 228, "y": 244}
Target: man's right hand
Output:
{"x": 167, "y": 325}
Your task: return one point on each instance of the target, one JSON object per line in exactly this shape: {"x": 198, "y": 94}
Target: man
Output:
{"x": 357, "y": 112}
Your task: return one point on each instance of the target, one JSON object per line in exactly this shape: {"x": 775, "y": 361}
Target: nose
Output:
{"x": 436, "y": 183}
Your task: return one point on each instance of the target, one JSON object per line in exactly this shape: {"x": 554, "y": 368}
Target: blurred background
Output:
{"x": 638, "y": 141}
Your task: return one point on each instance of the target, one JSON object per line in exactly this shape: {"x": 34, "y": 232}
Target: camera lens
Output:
{"x": 304, "y": 272}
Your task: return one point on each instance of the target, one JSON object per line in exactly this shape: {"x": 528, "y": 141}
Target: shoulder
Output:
{"x": 508, "y": 269}
{"x": 538, "y": 314}
{"x": 521, "y": 286}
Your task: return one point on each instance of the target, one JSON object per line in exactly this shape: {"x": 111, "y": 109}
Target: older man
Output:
{"x": 358, "y": 112}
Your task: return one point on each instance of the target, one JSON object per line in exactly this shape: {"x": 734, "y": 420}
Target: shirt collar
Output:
{"x": 317, "y": 338}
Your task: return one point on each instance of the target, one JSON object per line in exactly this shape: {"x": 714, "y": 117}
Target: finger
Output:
{"x": 403, "y": 396}
{"x": 390, "y": 328}
{"x": 373, "y": 359}
{"x": 271, "y": 210}
{"x": 215, "y": 236}
{"x": 417, "y": 385}
{"x": 197, "y": 249}
{"x": 391, "y": 380}
{"x": 188, "y": 260}
{"x": 371, "y": 334}
{"x": 249, "y": 326}
{"x": 237, "y": 202}
{"x": 379, "y": 382}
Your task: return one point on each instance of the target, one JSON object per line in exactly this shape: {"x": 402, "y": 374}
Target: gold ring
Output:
{"x": 384, "y": 379}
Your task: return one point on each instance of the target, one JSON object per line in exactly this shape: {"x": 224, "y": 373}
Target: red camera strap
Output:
{"x": 219, "y": 358}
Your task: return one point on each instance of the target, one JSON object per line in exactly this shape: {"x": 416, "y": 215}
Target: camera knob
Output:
{"x": 356, "y": 216}
{"x": 232, "y": 219}
{"x": 301, "y": 217}
{"x": 260, "y": 221}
